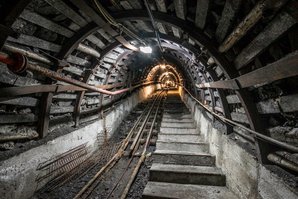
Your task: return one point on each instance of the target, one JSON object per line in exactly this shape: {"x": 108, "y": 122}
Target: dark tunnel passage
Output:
{"x": 76, "y": 76}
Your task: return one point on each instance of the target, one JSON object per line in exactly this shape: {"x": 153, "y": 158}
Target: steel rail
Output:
{"x": 257, "y": 134}
{"x": 111, "y": 162}
{"x": 141, "y": 129}
{"x": 132, "y": 157}
{"x": 142, "y": 158}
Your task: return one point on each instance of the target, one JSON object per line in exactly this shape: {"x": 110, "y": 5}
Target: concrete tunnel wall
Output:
{"x": 18, "y": 174}
{"x": 244, "y": 175}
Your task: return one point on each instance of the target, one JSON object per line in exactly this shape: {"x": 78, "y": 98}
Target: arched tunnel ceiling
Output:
{"x": 206, "y": 41}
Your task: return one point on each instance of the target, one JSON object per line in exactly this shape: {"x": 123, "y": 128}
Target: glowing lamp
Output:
{"x": 146, "y": 49}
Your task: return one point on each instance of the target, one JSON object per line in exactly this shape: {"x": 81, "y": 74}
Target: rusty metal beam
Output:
{"x": 80, "y": 96}
{"x": 44, "y": 115}
{"x": 223, "y": 100}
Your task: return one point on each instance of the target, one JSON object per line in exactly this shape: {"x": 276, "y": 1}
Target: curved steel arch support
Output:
{"x": 228, "y": 69}
{"x": 73, "y": 42}
{"x": 223, "y": 100}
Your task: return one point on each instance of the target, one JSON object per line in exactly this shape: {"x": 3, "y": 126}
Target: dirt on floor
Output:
{"x": 108, "y": 181}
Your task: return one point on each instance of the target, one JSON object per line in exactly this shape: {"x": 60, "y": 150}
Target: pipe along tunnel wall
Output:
{"x": 244, "y": 175}
{"x": 19, "y": 174}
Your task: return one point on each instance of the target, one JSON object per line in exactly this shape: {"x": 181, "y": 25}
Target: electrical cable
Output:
{"x": 154, "y": 26}
{"x": 113, "y": 22}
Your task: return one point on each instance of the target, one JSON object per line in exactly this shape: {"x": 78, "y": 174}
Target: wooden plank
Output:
{"x": 78, "y": 61}
{"x": 176, "y": 32}
{"x": 22, "y": 101}
{"x": 68, "y": 96}
{"x": 246, "y": 24}
{"x": 283, "y": 68}
{"x": 45, "y": 23}
{"x": 285, "y": 104}
{"x": 67, "y": 11}
{"x": 228, "y": 16}
{"x": 96, "y": 41}
{"x": 105, "y": 35}
{"x": 88, "y": 50}
{"x": 9, "y": 78}
{"x": 240, "y": 117}
{"x": 277, "y": 27}
{"x": 17, "y": 118}
{"x": 74, "y": 70}
{"x": 249, "y": 21}
{"x": 100, "y": 75}
{"x": 21, "y": 133}
{"x": 268, "y": 107}
{"x": 226, "y": 84}
{"x": 161, "y": 6}
{"x": 35, "y": 42}
{"x": 108, "y": 60}
{"x": 135, "y": 4}
{"x": 201, "y": 13}
{"x": 161, "y": 28}
{"x": 233, "y": 99}
{"x": 180, "y": 8}
{"x": 27, "y": 90}
{"x": 82, "y": 5}
{"x": 60, "y": 109}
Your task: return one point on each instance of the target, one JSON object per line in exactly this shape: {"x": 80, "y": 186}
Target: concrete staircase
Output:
{"x": 182, "y": 165}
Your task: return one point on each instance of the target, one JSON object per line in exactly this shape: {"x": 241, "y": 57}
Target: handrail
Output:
{"x": 231, "y": 122}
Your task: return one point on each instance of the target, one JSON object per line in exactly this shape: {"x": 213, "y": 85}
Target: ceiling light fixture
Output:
{"x": 146, "y": 49}
{"x": 162, "y": 66}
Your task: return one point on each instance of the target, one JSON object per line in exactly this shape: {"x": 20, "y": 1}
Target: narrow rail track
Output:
{"x": 134, "y": 146}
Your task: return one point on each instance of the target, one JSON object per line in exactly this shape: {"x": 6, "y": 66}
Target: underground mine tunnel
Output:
{"x": 148, "y": 99}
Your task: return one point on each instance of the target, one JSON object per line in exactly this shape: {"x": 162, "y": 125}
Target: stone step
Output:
{"x": 177, "y": 112}
{"x": 161, "y": 190}
{"x": 183, "y": 158}
{"x": 183, "y": 146}
{"x": 177, "y": 116}
{"x": 187, "y": 174}
{"x": 169, "y": 120}
{"x": 189, "y": 131}
{"x": 181, "y": 137}
{"x": 178, "y": 125}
